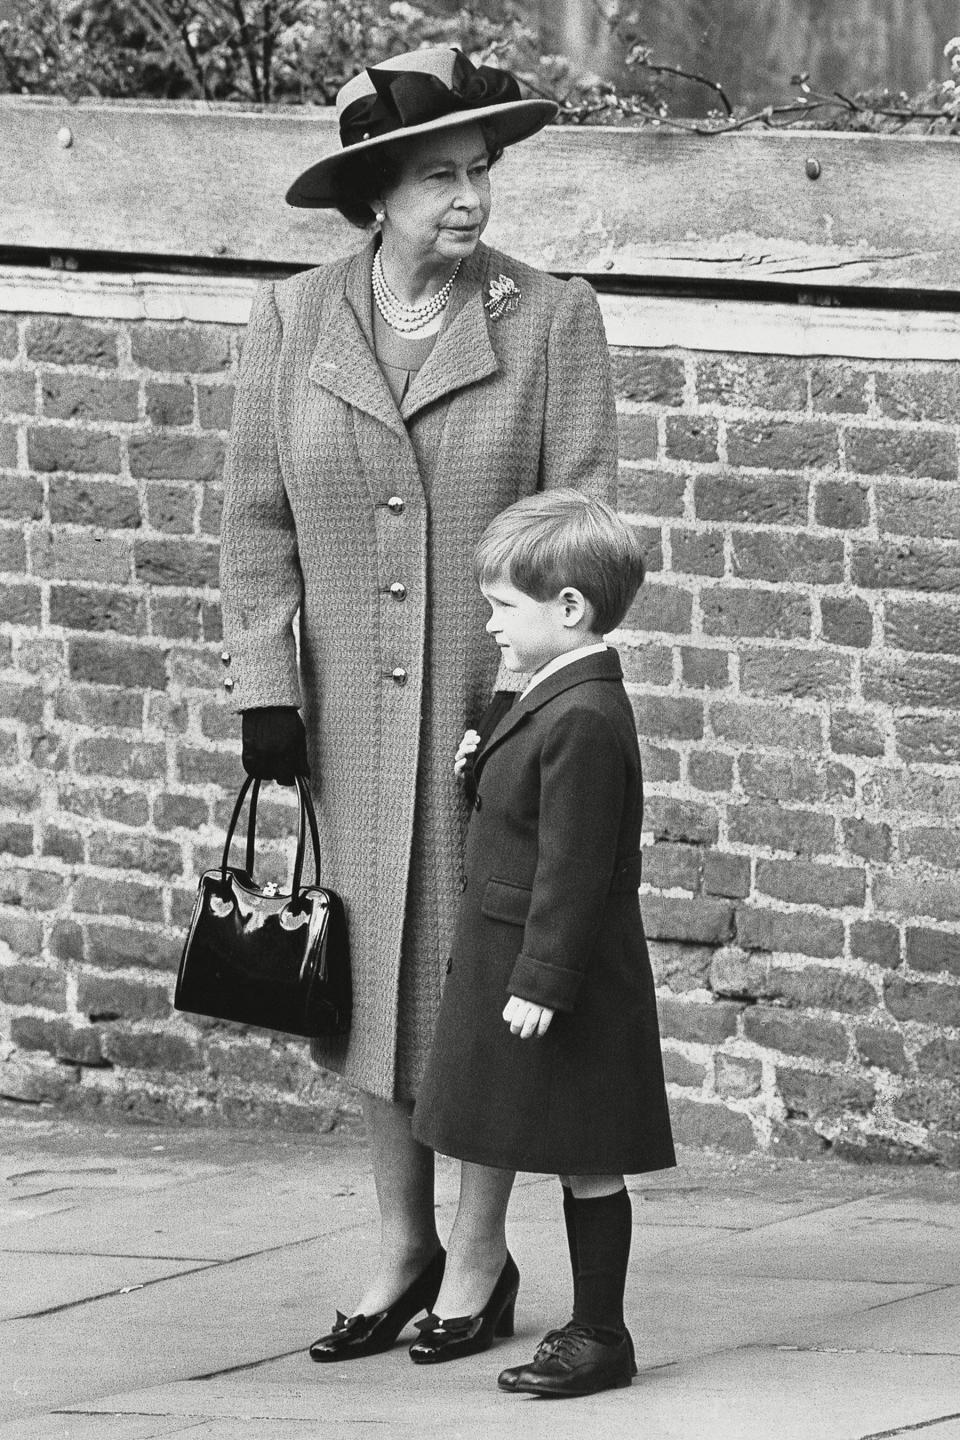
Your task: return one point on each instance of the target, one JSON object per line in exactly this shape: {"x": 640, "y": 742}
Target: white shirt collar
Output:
{"x": 558, "y": 663}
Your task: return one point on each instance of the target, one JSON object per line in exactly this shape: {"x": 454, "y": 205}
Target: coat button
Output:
{"x": 228, "y": 684}
{"x": 477, "y": 803}
{"x": 399, "y": 676}
{"x": 225, "y": 657}
{"x": 395, "y": 504}
{"x": 398, "y": 590}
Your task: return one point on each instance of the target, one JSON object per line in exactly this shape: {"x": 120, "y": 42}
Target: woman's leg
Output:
{"x": 403, "y": 1175}
{"x": 477, "y": 1248}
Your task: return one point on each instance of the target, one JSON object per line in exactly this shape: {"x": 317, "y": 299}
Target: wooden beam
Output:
{"x": 207, "y": 182}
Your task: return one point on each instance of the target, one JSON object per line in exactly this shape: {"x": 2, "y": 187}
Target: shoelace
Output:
{"x": 564, "y": 1345}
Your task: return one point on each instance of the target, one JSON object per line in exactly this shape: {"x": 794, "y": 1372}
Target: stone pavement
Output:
{"x": 166, "y": 1283}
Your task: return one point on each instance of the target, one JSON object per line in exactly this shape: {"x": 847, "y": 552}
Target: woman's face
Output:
{"x": 439, "y": 206}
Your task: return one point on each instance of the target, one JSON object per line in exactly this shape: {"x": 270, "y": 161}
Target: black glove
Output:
{"x": 274, "y": 744}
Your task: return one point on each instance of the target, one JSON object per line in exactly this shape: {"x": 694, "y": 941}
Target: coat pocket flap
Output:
{"x": 502, "y": 900}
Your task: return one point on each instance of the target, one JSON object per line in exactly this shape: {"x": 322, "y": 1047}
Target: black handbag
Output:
{"x": 257, "y": 955}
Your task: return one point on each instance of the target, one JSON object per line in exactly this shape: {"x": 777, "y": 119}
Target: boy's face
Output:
{"x": 530, "y": 632}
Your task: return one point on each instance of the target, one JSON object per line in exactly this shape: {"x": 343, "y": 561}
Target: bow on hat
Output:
{"x": 411, "y": 97}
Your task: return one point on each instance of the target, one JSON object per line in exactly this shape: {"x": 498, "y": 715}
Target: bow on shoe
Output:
{"x": 412, "y": 97}
{"x": 457, "y": 1327}
{"x": 345, "y": 1323}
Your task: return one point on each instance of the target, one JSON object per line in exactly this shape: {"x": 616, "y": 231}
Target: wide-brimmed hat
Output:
{"x": 415, "y": 94}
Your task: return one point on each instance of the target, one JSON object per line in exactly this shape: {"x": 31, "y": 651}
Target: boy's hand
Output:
{"x": 526, "y": 1019}
{"x": 468, "y": 746}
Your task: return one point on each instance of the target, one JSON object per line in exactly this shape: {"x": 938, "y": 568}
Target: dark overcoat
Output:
{"x": 550, "y": 913}
{"x": 359, "y": 521}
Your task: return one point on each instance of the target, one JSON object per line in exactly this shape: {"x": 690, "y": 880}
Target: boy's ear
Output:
{"x": 576, "y": 607}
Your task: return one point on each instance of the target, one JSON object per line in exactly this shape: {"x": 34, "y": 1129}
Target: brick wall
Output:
{"x": 794, "y": 667}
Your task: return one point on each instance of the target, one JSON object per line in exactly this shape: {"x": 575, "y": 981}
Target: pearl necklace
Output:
{"x": 398, "y": 315}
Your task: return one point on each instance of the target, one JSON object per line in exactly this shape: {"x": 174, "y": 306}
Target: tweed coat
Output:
{"x": 550, "y": 913}
{"x": 356, "y": 523}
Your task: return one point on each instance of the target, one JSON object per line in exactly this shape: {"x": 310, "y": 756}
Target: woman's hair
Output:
{"x": 358, "y": 184}
{"x": 558, "y": 538}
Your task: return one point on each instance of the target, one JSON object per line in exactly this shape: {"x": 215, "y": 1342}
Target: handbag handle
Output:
{"x": 306, "y": 819}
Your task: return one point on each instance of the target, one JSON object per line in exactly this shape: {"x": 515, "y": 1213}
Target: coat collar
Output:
{"x": 605, "y": 666}
{"x": 344, "y": 361}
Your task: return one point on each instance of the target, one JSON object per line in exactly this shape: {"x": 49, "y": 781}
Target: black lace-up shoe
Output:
{"x": 571, "y": 1362}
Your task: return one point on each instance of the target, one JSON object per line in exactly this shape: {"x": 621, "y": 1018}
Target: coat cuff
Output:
{"x": 263, "y": 673}
{"x": 552, "y": 986}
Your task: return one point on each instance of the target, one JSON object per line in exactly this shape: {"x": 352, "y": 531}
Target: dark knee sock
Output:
{"x": 603, "y": 1232}
{"x": 570, "y": 1222}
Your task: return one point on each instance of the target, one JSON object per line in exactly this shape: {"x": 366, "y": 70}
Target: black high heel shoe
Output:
{"x": 354, "y": 1336}
{"x": 469, "y": 1334}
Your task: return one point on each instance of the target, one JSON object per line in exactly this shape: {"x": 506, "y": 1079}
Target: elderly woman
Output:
{"x": 389, "y": 405}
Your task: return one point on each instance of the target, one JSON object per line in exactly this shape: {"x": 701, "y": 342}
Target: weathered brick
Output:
{"x": 908, "y": 565}
{"x": 680, "y": 820}
{"x": 211, "y": 510}
{"x": 664, "y": 717}
{"x": 638, "y": 437}
{"x": 48, "y": 750}
{"x": 100, "y": 802}
{"x": 66, "y": 941}
{"x": 57, "y": 447}
{"x": 750, "y": 500}
{"x": 136, "y": 900}
{"x": 650, "y": 492}
{"x": 170, "y": 717}
{"x": 20, "y": 701}
{"x": 931, "y": 683}
{"x": 741, "y": 612}
{"x": 708, "y": 770}
{"x": 727, "y": 875}
{"x": 846, "y": 620}
{"x": 931, "y": 1105}
{"x": 691, "y": 437}
{"x": 147, "y": 853}
{"x": 802, "y": 674}
{"x": 809, "y": 559}
{"x": 182, "y": 812}
{"x": 180, "y": 347}
{"x": 103, "y": 663}
{"x": 18, "y": 392}
{"x": 769, "y": 383}
{"x": 940, "y": 1058}
{"x": 800, "y": 932}
{"x": 644, "y": 664}
{"x": 854, "y": 733}
{"x": 16, "y": 838}
{"x": 678, "y": 1070}
{"x": 912, "y": 792}
{"x": 651, "y": 545}
{"x": 23, "y": 933}
{"x": 919, "y": 394}
{"x": 704, "y": 669}
{"x": 66, "y": 341}
{"x": 711, "y": 1127}
{"x": 33, "y": 985}
{"x": 176, "y": 617}
{"x": 930, "y": 1002}
{"x": 697, "y": 922}
{"x": 661, "y": 765}
{"x": 8, "y": 447}
{"x": 107, "y": 504}
{"x": 838, "y": 389}
{"x": 735, "y": 975}
{"x": 697, "y": 553}
{"x": 666, "y": 866}
{"x": 880, "y": 450}
{"x": 151, "y": 1050}
{"x": 63, "y": 844}
{"x": 108, "y": 998}
{"x": 933, "y": 951}
{"x": 736, "y": 1077}
{"x": 9, "y": 340}
{"x": 13, "y": 550}
{"x": 876, "y": 941}
{"x": 80, "y": 1046}
{"x": 841, "y": 505}
{"x": 656, "y": 379}
{"x": 78, "y": 607}
{"x": 660, "y": 607}
{"x": 883, "y": 1049}
{"x": 124, "y": 759}
{"x": 32, "y": 888}
{"x": 922, "y": 625}
{"x": 20, "y": 604}
{"x": 156, "y": 456}
{"x": 699, "y": 1022}
{"x": 122, "y": 946}
{"x": 802, "y": 882}
{"x": 77, "y": 555}
{"x": 21, "y": 498}
{"x": 816, "y": 1096}
{"x": 680, "y": 967}
{"x": 783, "y": 444}
{"x": 795, "y": 1034}
{"x": 209, "y": 767}
{"x": 215, "y": 408}
{"x": 777, "y": 828}
{"x": 928, "y": 739}
{"x": 917, "y": 510}
{"x": 170, "y": 403}
{"x": 87, "y": 397}
{"x": 759, "y": 726}
{"x": 171, "y": 508}
{"x": 786, "y": 778}
{"x": 177, "y": 562}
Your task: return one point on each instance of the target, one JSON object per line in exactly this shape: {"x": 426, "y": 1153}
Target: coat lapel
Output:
{"x": 344, "y": 361}
{"x": 463, "y": 353}
{"x": 603, "y": 666}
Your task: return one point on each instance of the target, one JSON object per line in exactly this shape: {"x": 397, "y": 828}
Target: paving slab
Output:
{"x": 927, "y": 1324}
{"x": 33, "y": 1284}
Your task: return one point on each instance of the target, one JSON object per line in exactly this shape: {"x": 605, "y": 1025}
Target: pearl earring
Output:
{"x": 380, "y": 216}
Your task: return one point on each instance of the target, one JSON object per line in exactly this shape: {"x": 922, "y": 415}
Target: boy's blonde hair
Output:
{"x": 557, "y": 538}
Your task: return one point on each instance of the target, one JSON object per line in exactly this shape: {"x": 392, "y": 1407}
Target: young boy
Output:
{"x": 547, "y": 1051}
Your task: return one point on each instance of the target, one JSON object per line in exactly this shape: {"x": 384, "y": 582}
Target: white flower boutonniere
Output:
{"x": 503, "y": 297}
